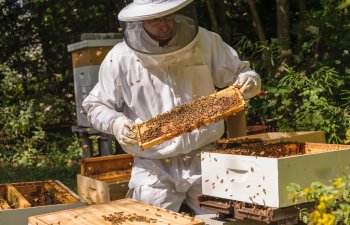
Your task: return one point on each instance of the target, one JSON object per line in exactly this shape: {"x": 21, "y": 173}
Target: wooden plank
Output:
{"x": 105, "y": 164}
{"x": 93, "y": 214}
{"x": 168, "y": 131}
{"x": 15, "y": 198}
{"x": 3, "y": 204}
{"x": 93, "y": 191}
{"x": 318, "y": 147}
{"x": 299, "y": 136}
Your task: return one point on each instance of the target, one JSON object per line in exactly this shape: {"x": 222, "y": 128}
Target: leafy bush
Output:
{"x": 332, "y": 201}
{"x": 303, "y": 101}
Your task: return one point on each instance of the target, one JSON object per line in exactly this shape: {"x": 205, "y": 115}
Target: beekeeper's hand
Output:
{"x": 123, "y": 130}
{"x": 249, "y": 85}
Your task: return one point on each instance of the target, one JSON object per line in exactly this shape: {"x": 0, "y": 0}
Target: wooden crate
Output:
{"x": 94, "y": 215}
{"x": 104, "y": 179}
{"x": 258, "y": 179}
{"x": 18, "y": 201}
{"x": 201, "y": 112}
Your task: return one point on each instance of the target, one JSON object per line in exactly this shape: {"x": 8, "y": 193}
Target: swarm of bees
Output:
{"x": 119, "y": 218}
{"x": 274, "y": 150}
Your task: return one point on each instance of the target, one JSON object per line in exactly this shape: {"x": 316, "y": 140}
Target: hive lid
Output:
{"x": 92, "y": 43}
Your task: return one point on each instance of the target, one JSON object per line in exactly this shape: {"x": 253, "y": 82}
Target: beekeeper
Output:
{"x": 166, "y": 60}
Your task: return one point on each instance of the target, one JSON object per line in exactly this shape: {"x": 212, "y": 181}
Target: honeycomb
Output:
{"x": 190, "y": 116}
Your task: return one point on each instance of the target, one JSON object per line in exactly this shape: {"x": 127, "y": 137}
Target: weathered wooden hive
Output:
{"x": 104, "y": 179}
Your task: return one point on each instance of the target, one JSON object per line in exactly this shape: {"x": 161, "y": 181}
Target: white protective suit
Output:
{"x": 141, "y": 87}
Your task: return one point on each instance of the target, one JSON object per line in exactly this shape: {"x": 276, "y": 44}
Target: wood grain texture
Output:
{"x": 93, "y": 215}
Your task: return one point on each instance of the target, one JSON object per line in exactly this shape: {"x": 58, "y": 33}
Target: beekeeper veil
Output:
{"x": 159, "y": 26}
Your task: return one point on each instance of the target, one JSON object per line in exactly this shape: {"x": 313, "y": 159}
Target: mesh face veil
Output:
{"x": 161, "y": 32}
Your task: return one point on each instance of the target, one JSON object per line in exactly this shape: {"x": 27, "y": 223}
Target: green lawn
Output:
{"x": 66, "y": 175}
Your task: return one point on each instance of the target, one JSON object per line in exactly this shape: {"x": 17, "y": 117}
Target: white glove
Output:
{"x": 248, "y": 85}
{"x": 123, "y": 130}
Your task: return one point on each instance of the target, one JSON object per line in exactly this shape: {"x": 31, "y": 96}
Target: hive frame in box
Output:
{"x": 19, "y": 216}
{"x": 263, "y": 181}
{"x": 230, "y": 91}
{"x": 97, "y": 182}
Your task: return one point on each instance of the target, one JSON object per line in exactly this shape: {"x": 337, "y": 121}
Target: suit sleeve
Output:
{"x": 227, "y": 67}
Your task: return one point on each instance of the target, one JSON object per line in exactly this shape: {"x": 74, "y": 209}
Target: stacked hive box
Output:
{"x": 105, "y": 178}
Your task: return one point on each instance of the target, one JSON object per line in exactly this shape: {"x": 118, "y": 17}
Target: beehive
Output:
{"x": 191, "y": 116}
{"x": 104, "y": 179}
{"x": 18, "y": 201}
{"x": 260, "y": 174}
{"x": 120, "y": 212}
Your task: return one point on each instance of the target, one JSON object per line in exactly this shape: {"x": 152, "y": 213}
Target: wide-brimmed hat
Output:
{"x": 149, "y": 9}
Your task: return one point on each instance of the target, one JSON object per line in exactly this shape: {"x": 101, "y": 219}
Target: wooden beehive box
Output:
{"x": 188, "y": 117}
{"x": 18, "y": 201}
{"x": 262, "y": 180}
{"x": 124, "y": 209}
{"x": 104, "y": 179}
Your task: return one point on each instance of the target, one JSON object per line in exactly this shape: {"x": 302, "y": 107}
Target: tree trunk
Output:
{"x": 217, "y": 14}
{"x": 282, "y": 18}
{"x": 212, "y": 15}
{"x": 223, "y": 21}
{"x": 256, "y": 21}
{"x": 301, "y": 30}
{"x": 282, "y": 7}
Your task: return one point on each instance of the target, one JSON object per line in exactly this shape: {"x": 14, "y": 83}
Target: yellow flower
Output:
{"x": 306, "y": 191}
{"x": 322, "y": 206}
{"x": 326, "y": 219}
{"x": 322, "y": 198}
{"x": 315, "y": 215}
{"x": 338, "y": 183}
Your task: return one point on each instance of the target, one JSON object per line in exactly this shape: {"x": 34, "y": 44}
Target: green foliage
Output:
{"x": 64, "y": 173}
{"x": 309, "y": 102}
{"x": 310, "y": 90}
{"x": 25, "y": 135}
{"x": 332, "y": 201}
{"x": 36, "y": 82}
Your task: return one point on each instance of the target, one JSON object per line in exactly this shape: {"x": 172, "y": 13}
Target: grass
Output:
{"x": 65, "y": 174}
